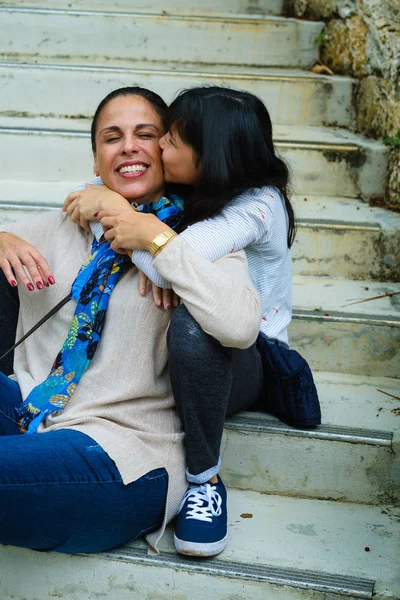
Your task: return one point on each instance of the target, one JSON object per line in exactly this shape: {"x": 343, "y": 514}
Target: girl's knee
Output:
{"x": 186, "y": 338}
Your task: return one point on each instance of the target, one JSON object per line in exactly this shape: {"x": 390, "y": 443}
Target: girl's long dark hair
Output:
{"x": 231, "y": 133}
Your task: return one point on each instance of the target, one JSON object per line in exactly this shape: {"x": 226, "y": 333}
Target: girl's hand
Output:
{"x": 83, "y": 205}
{"x": 129, "y": 229}
{"x": 165, "y": 298}
{"x": 19, "y": 257}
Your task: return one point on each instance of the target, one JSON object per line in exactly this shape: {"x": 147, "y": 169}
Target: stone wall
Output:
{"x": 362, "y": 39}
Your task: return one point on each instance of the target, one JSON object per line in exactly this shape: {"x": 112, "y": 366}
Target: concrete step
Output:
{"x": 287, "y": 549}
{"x": 329, "y": 162}
{"x": 293, "y": 97}
{"x": 358, "y": 441}
{"x": 338, "y": 237}
{"x": 267, "y": 7}
{"x": 226, "y": 39}
{"x": 333, "y": 336}
{"x": 344, "y": 237}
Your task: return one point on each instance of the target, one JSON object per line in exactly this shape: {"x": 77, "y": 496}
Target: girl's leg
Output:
{"x": 9, "y": 307}
{"x": 209, "y": 382}
{"x": 60, "y": 491}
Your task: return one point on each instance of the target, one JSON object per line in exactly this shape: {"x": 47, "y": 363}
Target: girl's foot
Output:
{"x": 201, "y": 528}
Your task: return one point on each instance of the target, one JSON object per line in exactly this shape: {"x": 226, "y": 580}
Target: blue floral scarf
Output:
{"x": 91, "y": 289}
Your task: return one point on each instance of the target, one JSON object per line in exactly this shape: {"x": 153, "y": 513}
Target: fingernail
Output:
{"x": 52, "y": 280}
{"x": 158, "y": 302}
{"x": 30, "y": 287}
{"x": 14, "y": 283}
{"x": 169, "y": 307}
{"x": 39, "y": 285}
{"x": 142, "y": 291}
{"x": 95, "y": 214}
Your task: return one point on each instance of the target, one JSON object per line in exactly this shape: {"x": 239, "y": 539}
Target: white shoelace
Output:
{"x": 204, "y": 502}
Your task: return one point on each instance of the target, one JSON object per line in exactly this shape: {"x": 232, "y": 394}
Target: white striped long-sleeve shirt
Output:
{"x": 257, "y": 222}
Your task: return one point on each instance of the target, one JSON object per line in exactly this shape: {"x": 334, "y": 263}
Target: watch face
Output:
{"x": 160, "y": 239}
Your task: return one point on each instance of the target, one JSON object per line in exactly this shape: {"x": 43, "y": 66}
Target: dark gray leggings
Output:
{"x": 209, "y": 382}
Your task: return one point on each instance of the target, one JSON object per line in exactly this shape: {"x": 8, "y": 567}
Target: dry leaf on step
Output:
{"x": 322, "y": 70}
{"x": 246, "y": 516}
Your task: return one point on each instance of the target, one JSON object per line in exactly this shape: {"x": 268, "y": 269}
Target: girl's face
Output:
{"x": 181, "y": 164}
{"x": 128, "y": 156}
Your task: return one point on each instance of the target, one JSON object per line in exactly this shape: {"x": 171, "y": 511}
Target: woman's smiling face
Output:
{"x": 128, "y": 155}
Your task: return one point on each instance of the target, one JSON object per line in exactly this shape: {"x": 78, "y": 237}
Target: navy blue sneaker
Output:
{"x": 201, "y": 528}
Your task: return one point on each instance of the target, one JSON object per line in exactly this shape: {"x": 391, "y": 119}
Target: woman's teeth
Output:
{"x": 132, "y": 169}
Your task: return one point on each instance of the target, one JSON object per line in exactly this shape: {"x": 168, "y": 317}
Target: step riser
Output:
{"x": 319, "y": 170}
{"x": 289, "y": 101}
{"x": 347, "y": 347}
{"x": 349, "y": 252}
{"x": 52, "y": 158}
{"x": 70, "y": 577}
{"x": 267, "y": 7}
{"x": 352, "y": 254}
{"x": 310, "y": 468}
{"x": 149, "y": 38}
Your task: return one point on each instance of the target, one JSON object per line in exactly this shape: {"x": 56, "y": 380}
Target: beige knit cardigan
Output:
{"x": 124, "y": 400}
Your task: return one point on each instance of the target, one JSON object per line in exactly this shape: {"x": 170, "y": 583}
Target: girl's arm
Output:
{"x": 244, "y": 221}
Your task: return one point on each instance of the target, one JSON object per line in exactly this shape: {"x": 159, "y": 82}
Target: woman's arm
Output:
{"x": 220, "y": 296}
{"x": 244, "y": 221}
{"x": 23, "y": 248}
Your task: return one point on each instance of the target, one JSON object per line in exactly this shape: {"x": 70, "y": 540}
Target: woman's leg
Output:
{"x": 209, "y": 382}
{"x": 60, "y": 491}
{"x": 9, "y": 307}
{"x": 10, "y": 398}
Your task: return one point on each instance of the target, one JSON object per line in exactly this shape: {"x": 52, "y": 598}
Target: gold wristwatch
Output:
{"x": 160, "y": 240}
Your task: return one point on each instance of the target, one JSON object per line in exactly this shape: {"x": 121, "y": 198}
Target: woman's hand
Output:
{"x": 165, "y": 298}
{"x": 19, "y": 257}
{"x": 83, "y": 205}
{"x": 130, "y": 230}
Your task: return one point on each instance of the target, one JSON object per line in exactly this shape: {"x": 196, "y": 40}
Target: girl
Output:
{"x": 220, "y": 145}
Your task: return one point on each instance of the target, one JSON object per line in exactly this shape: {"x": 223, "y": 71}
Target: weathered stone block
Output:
{"x": 345, "y": 46}
{"x": 362, "y": 39}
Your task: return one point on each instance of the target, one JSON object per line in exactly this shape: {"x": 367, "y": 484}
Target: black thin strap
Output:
{"x": 43, "y": 320}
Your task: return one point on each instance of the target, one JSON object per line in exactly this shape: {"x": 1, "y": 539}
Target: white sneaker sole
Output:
{"x": 197, "y": 549}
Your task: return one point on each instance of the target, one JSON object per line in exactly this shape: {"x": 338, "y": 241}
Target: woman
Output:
{"x": 110, "y": 465}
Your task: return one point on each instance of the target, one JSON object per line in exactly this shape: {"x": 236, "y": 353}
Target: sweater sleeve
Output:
{"x": 220, "y": 295}
{"x": 39, "y": 230}
{"x": 246, "y": 220}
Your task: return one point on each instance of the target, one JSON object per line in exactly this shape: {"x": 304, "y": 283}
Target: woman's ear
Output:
{"x": 95, "y": 168}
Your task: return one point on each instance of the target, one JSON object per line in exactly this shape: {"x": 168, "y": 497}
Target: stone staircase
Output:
{"x": 312, "y": 514}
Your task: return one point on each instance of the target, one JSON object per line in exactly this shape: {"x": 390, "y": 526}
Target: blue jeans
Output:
{"x": 60, "y": 491}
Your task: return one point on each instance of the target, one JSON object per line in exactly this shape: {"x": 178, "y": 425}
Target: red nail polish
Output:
{"x": 52, "y": 280}
{"x": 95, "y": 214}
{"x": 39, "y": 285}
{"x": 30, "y": 287}
{"x": 14, "y": 283}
